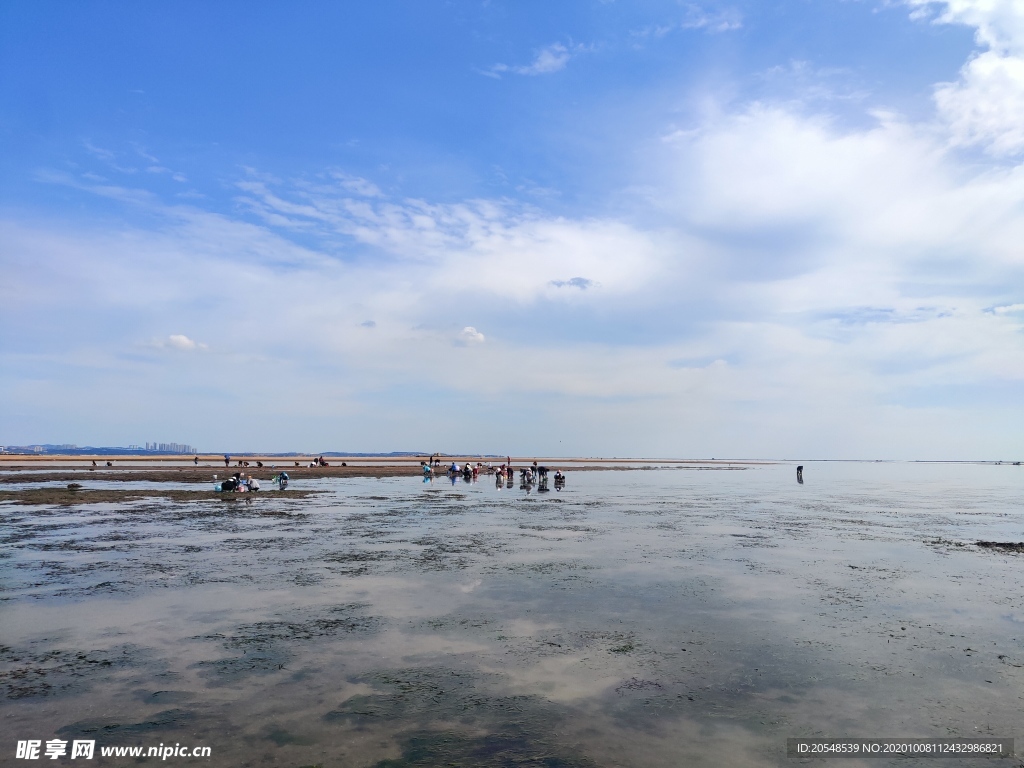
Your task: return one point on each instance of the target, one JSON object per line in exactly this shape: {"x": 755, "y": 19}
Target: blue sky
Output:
{"x": 587, "y": 228}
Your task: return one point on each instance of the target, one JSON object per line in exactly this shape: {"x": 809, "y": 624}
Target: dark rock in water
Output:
{"x": 1003, "y": 546}
{"x": 74, "y": 486}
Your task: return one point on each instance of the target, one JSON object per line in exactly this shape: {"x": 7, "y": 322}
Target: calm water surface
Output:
{"x": 636, "y": 618}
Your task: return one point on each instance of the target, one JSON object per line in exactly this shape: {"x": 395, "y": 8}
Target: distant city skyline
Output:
{"x": 178, "y": 448}
{"x": 676, "y": 229}
{"x": 172, "y": 447}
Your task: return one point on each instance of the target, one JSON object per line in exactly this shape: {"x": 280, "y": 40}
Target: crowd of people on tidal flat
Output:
{"x": 503, "y": 475}
{"x": 530, "y": 476}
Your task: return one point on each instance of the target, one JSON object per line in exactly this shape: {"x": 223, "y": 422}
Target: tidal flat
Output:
{"x": 636, "y": 618}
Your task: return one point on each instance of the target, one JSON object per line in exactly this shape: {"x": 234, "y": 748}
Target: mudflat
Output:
{"x": 635, "y": 618}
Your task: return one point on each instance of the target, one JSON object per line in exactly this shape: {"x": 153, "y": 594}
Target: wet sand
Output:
{"x": 634, "y": 619}
{"x": 16, "y": 469}
{"x": 37, "y": 481}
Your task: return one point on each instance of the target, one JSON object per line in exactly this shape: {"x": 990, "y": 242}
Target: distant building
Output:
{"x": 170, "y": 448}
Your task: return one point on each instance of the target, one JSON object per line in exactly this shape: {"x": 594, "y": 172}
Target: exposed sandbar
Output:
{"x": 24, "y": 469}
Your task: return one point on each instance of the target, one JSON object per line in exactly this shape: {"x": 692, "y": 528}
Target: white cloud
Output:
{"x": 141, "y": 152}
{"x": 695, "y": 17}
{"x": 986, "y": 105}
{"x": 159, "y": 169}
{"x": 723, "y": 20}
{"x": 999, "y": 24}
{"x": 99, "y": 152}
{"x": 1008, "y": 308}
{"x": 178, "y": 341}
{"x": 470, "y": 335}
{"x": 551, "y": 58}
{"x": 482, "y": 247}
{"x": 355, "y": 184}
{"x": 801, "y": 82}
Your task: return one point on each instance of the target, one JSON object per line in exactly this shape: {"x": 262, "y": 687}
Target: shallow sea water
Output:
{"x": 635, "y": 618}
